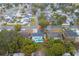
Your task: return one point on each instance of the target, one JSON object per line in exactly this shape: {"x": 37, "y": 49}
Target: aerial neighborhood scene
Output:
{"x": 39, "y": 29}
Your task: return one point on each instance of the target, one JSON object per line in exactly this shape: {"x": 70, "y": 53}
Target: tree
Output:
{"x": 38, "y": 5}
{"x": 70, "y": 48}
{"x": 54, "y": 48}
{"x": 68, "y": 9}
{"x": 10, "y": 43}
{"x": 58, "y": 47}
{"x": 77, "y": 21}
{"x": 76, "y": 6}
{"x": 59, "y": 19}
{"x": 17, "y": 27}
{"x": 33, "y": 21}
{"x": 13, "y": 42}
{"x": 42, "y": 21}
{"x": 29, "y": 47}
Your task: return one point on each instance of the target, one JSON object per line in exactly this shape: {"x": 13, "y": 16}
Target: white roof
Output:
{"x": 77, "y": 10}
{"x": 7, "y": 17}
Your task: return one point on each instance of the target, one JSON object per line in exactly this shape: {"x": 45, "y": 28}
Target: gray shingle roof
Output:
{"x": 7, "y": 27}
{"x": 54, "y": 34}
{"x": 70, "y": 33}
{"x": 25, "y": 34}
{"x": 53, "y": 27}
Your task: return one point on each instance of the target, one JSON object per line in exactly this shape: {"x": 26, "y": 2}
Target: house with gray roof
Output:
{"x": 70, "y": 35}
{"x": 54, "y": 32}
{"x": 55, "y": 35}
{"x": 53, "y": 27}
{"x": 25, "y": 34}
{"x": 7, "y": 28}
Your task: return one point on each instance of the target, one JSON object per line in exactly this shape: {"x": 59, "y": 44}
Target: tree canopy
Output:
{"x": 54, "y": 48}
{"x": 58, "y": 47}
{"x": 17, "y": 27}
{"x": 59, "y": 18}
{"x": 11, "y": 42}
{"x": 42, "y": 21}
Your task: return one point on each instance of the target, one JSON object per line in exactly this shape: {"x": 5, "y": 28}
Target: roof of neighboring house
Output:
{"x": 70, "y": 33}
{"x": 54, "y": 34}
{"x": 25, "y": 34}
{"x": 7, "y": 27}
{"x": 25, "y": 28}
{"x": 74, "y": 26}
{"x": 53, "y": 27}
{"x": 77, "y": 26}
{"x": 54, "y": 31}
